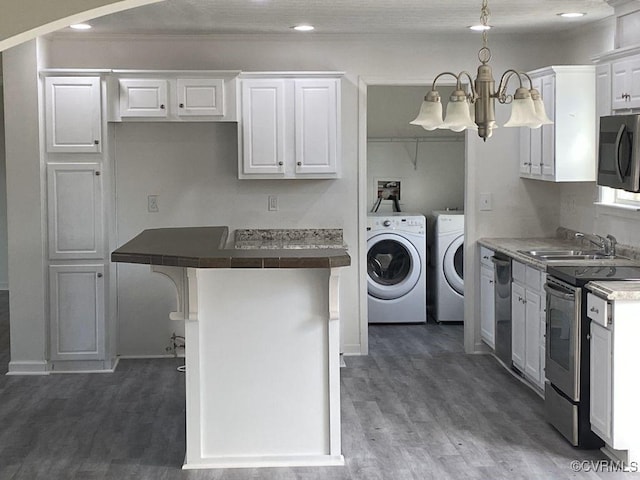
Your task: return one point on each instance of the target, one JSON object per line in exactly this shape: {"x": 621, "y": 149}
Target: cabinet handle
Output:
{"x": 486, "y": 257}
{"x": 96, "y": 142}
{"x": 99, "y": 275}
{"x": 162, "y": 107}
{"x": 280, "y": 163}
{"x": 299, "y": 163}
{"x": 490, "y": 281}
{"x": 97, "y": 173}
{"x": 595, "y": 310}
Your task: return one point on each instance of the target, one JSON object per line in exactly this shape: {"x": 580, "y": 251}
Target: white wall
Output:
{"x": 4, "y": 275}
{"x": 491, "y": 167}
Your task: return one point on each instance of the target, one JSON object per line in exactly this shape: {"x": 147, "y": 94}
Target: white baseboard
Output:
{"x": 149, "y": 357}
{"x": 28, "y": 368}
{"x": 266, "y": 461}
{"x": 351, "y": 349}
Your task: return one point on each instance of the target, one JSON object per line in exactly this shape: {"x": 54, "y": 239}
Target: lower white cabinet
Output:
{"x": 527, "y": 325}
{"x": 600, "y": 381}
{"x": 77, "y": 316}
{"x": 487, "y": 297}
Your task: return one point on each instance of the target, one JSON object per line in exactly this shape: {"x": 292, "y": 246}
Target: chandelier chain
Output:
{"x": 485, "y": 14}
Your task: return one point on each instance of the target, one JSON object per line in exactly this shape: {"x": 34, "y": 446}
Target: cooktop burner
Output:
{"x": 579, "y": 275}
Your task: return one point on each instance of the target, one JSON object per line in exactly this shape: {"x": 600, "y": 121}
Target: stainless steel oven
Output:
{"x": 562, "y": 362}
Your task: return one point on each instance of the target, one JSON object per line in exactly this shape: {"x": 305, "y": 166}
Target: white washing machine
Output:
{"x": 449, "y": 262}
{"x": 397, "y": 268}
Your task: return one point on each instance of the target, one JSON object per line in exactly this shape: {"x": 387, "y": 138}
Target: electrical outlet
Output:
{"x": 152, "y": 204}
{"x": 273, "y": 203}
{"x": 486, "y": 202}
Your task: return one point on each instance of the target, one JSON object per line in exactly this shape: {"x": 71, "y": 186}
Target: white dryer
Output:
{"x": 396, "y": 268}
{"x": 449, "y": 263}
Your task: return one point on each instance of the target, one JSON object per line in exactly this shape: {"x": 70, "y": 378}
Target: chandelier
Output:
{"x": 527, "y": 108}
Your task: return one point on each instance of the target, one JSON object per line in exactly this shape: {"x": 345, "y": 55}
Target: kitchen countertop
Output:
{"x": 511, "y": 247}
{"x": 205, "y": 247}
{"x": 616, "y": 290}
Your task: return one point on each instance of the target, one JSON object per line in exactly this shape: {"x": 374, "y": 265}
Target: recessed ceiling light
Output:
{"x": 572, "y": 14}
{"x": 81, "y": 26}
{"x": 480, "y": 28}
{"x": 303, "y": 28}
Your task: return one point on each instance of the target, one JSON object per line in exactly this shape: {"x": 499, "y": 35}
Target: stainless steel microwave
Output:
{"x": 619, "y": 153}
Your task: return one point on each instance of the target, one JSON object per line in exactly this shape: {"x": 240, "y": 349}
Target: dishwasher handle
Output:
{"x": 500, "y": 262}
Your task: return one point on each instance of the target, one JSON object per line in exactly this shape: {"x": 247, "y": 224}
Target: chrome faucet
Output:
{"x": 607, "y": 245}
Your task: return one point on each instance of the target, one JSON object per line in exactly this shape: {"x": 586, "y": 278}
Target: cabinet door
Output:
{"x": 536, "y": 139}
{"x": 525, "y": 150}
{"x": 75, "y": 211}
{"x": 263, "y": 126}
{"x": 317, "y": 126}
{"x": 487, "y": 305}
{"x": 603, "y": 90}
{"x": 143, "y": 98}
{"x": 600, "y": 378}
{"x": 77, "y": 312}
{"x": 532, "y": 336}
{"x": 200, "y": 97}
{"x": 518, "y": 326}
{"x": 625, "y": 81}
{"x": 73, "y": 115}
{"x": 548, "y": 92}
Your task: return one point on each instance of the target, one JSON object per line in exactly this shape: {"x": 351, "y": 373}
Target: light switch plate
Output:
{"x": 486, "y": 202}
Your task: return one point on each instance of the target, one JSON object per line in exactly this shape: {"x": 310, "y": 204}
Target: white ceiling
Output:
{"x": 347, "y": 16}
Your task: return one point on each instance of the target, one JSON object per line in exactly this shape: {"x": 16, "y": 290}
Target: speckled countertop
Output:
{"x": 205, "y": 247}
{"x": 292, "y": 238}
{"x": 616, "y": 290}
{"x": 563, "y": 241}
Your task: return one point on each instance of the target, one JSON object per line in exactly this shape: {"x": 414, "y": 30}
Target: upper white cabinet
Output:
{"x": 73, "y": 114}
{"x": 625, "y": 83}
{"x": 200, "y": 97}
{"x": 603, "y": 90}
{"x": 566, "y": 150}
{"x": 143, "y": 97}
{"x": 206, "y": 96}
{"x": 289, "y": 127}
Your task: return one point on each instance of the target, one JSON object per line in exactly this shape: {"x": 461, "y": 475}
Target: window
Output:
{"x": 619, "y": 198}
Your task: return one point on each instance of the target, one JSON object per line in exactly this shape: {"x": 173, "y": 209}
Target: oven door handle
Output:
{"x": 558, "y": 293}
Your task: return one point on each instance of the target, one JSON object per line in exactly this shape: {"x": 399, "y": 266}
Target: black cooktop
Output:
{"x": 580, "y": 275}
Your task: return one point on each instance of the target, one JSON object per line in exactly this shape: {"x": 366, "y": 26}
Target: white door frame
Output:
{"x": 471, "y": 331}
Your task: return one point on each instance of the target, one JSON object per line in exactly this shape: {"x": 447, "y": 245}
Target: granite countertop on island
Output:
{"x": 205, "y": 247}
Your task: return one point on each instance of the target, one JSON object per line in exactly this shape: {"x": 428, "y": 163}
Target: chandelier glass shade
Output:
{"x": 476, "y": 109}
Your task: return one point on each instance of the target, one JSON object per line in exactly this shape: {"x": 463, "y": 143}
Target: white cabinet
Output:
{"x": 77, "y": 312}
{"x": 625, "y": 83}
{"x": 75, "y": 211}
{"x": 198, "y": 97}
{"x": 143, "y": 97}
{"x": 527, "y": 322}
{"x": 600, "y": 381}
{"x": 73, "y": 122}
{"x": 176, "y": 96}
{"x": 564, "y": 151}
{"x": 613, "y": 375}
{"x": 289, "y": 127}
{"x": 487, "y": 297}
{"x": 603, "y": 91}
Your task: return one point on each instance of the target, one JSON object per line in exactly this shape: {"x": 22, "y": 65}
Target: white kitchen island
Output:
{"x": 262, "y": 347}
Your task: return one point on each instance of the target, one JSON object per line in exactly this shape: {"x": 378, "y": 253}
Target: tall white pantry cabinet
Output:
{"x": 79, "y": 210}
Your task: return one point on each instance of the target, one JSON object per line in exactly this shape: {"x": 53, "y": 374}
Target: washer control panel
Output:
{"x": 415, "y": 224}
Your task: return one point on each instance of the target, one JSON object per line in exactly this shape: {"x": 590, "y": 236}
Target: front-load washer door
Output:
{"x": 453, "y": 263}
{"x": 393, "y": 266}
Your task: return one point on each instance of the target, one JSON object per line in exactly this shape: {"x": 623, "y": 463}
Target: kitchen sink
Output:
{"x": 550, "y": 255}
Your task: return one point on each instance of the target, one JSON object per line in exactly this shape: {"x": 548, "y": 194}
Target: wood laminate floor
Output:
{"x": 416, "y": 408}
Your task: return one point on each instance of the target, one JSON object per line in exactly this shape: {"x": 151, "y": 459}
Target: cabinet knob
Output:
{"x": 162, "y": 107}
{"x": 595, "y": 310}
{"x": 490, "y": 281}
{"x": 97, "y": 173}
{"x": 299, "y": 163}
{"x": 99, "y": 275}
{"x": 181, "y": 105}
{"x": 280, "y": 163}
{"x": 96, "y": 142}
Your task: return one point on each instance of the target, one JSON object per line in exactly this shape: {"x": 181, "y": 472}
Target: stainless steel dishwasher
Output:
{"x": 503, "y": 308}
